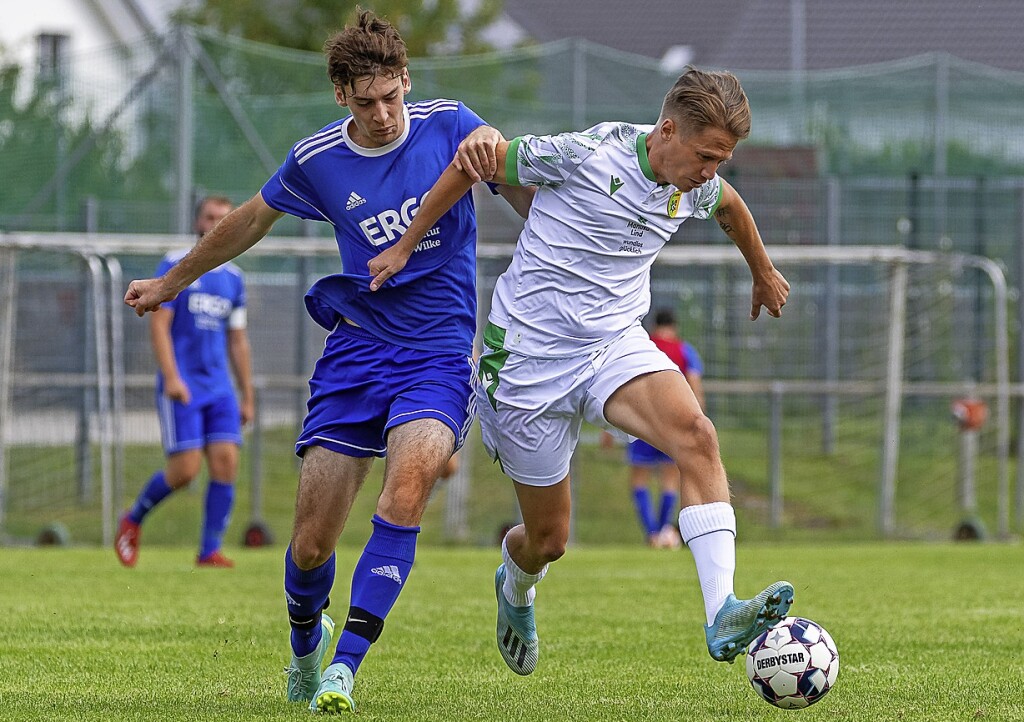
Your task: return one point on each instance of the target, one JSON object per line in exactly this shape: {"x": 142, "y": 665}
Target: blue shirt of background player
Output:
{"x": 693, "y": 362}
{"x": 370, "y": 195}
{"x": 199, "y": 329}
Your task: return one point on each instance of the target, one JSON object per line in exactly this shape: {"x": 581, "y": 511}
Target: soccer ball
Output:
{"x": 793, "y": 664}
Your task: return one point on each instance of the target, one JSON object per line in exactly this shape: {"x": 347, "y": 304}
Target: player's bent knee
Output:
{"x": 550, "y": 546}
{"x": 702, "y": 437}
{"x": 309, "y": 552}
{"x": 402, "y": 511}
{"x": 179, "y": 480}
{"x": 225, "y": 473}
{"x": 553, "y": 552}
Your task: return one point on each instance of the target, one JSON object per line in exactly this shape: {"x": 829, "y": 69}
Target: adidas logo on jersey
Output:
{"x": 354, "y": 201}
{"x": 390, "y": 571}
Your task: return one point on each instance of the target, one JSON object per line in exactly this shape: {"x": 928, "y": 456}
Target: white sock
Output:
{"x": 518, "y": 587}
{"x": 709, "y": 530}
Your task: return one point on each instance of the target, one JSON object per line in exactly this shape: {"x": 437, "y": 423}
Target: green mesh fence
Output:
{"x": 110, "y": 129}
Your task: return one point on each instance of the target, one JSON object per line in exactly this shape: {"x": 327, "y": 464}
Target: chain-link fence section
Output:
{"x": 837, "y": 414}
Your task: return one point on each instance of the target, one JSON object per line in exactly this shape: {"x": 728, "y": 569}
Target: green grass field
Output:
{"x": 925, "y": 632}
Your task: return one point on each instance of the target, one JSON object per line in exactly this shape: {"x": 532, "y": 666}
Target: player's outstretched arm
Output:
{"x": 444, "y": 194}
{"x": 770, "y": 288}
{"x": 238, "y": 231}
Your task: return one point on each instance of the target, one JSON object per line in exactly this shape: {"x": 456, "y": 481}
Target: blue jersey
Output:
{"x": 203, "y": 312}
{"x": 370, "y": 196}
{"x": 693, "y": 362}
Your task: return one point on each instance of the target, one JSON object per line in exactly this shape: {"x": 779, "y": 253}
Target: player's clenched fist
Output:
{"x": 475, "y": 155}
{"x": 147, "y": 295}
{"x": 770, "y": 291}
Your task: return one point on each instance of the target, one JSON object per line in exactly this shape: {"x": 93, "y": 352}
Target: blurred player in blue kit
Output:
{"x": 195, "y": 340}
{"x": 396, "y": 376}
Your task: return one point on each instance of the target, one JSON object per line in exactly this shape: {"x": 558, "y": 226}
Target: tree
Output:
{"x": 38, "y": 136}
{"x": 435, "y": 27}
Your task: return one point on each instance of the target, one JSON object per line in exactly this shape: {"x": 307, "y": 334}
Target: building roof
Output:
{"x": 757, "y": 34}
{"x": 645, "y": 27}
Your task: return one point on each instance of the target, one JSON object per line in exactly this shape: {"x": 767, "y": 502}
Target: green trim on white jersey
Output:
{"x": 512, "y": 163}
{"x": 718, "y": 201}
{"x": 641, "y": 154}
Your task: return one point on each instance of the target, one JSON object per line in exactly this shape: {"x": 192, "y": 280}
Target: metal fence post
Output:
{"x": 87, "y": 404}
{"x": 579, "y": 84}
{"x": 893, "y": 398}
{"x": 117, "y": 376}
{"x": 8, "y": 258}
{"x": 1019, "y": 491}
{"x": 830, "y": 403}
{"x": 185, "y": 137}
{"x": 302, "y": 363}
{"x": 103, "y": 396}
{"x": 775, "y": 455}
{"x": 574, "y": 484}
{"x": 456, "y": 508}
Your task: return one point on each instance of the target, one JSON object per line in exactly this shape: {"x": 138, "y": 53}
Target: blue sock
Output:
{"x": 642, "y": 502}
{"x": 376, "y": 583}
{"x": 155, "y": 491}
{"x": 306, "y": 592}
{"x": 220, "y": 499}
{"x": 667, "y": 510}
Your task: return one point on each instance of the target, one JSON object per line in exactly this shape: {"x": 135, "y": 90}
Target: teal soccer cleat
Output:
{"x": 740, "y": 621}
{"x": 335, "y": 693}
{"x": 304, "y": 672}
{"x": 517, "y": 632}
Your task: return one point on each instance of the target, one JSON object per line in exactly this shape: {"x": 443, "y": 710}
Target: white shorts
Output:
{"x": 531, "y": 409}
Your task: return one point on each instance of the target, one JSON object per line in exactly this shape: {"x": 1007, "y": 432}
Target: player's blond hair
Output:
{"x": 702, "y": 99}
{"x": 369, "y": 47}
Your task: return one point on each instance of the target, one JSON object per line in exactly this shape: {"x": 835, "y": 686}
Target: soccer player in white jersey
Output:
{"x": 564, "y": 341}
{"x": 195, "y": 340}
{"x": 396, "y": 375}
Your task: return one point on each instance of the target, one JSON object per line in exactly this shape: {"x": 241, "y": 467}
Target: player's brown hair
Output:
{"x": 702, "y": 99}
{"x": 369, "y": 47}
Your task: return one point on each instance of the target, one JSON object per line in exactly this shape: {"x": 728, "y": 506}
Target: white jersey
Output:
{"x": 581, "y": 270}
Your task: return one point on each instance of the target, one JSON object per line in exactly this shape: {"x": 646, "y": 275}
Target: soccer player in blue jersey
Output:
{"x": 396, "y": 375}
{"x": 195, "y": 339}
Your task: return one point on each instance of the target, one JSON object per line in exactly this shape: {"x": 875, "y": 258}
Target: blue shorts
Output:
{"x": 363, "y": 386}
{"x": 193, "y": 426}
{"x": 640, "y": 453}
